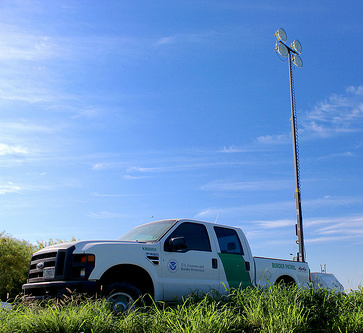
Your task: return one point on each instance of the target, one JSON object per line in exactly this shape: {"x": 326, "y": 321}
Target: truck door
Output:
{"x": 231, "y": 254}
{"x": 189, "y": 265}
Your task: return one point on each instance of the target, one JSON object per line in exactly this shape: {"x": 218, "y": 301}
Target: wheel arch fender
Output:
{"x": 286, "y": 279}
{"x": 132, "y": 274}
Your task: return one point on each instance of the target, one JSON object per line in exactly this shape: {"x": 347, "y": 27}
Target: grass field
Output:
{"x": 277, "y": 309}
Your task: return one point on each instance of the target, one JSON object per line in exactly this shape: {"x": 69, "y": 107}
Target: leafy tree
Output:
{"x": 15, "y": 257}
{"x": 42, "y": 244}
{"x": 14, "y": 264}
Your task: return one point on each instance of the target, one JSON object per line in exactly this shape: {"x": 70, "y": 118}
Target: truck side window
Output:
{"x": 228, "y": 240}
{"x": 195, "y": 236}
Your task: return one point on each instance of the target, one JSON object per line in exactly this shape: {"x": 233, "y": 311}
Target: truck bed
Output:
{"x": 269, "y": 270}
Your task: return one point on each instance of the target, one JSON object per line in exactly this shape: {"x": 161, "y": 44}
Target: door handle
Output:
{"x": 247, "y": 264}
{"x": 214, "y": 263}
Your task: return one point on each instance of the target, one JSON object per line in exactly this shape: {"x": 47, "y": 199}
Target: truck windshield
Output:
{"x": 150, "y": 232}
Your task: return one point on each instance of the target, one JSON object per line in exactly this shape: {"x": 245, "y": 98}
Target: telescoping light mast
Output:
{"x": 292, "y": 52}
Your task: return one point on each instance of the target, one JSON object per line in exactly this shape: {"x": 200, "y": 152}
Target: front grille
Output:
{"x": 46, "y": 255}
{"x": 58, "y": 260}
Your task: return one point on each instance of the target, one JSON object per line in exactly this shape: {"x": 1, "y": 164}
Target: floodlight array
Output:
{"x": 294, "y": 49}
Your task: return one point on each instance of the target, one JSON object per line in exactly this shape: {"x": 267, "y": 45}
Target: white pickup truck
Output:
{"x": 167, "y": 259}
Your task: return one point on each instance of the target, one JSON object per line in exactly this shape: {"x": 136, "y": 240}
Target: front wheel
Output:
{"x": 121, "y": 295}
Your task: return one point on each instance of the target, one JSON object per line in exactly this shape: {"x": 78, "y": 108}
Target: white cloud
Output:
{"x": 26, "y": 139}
{"x": 86, "y": 113}
{"x": 104, "y": 215}
{"x": 235, "y": 149}
{"x": 12, "y": 150}
{"x": 9, "y": 188}
{"x": 344, "y": 154}
{"x": 327, "y": 239}
{"x": 274, "y": 139}
{"x": 166, "y": 40}
{"x": 103, "y": 195}
{"x": 345, "y": 221}
{"x": 220, "y": 37}
{"x": 149, "y": 169}
{"x": 102, "y": 166}
{"x": 339, "y": 114}
{"x": 249, "y": 213}
{"x": 276, "y": 223}
{"x": 333, "y": 201}
{"x": 355, "y": 90}
{"x": 179, "y": 167}
{"x": 334, "y": 229}
{"x": 23, "y": 126}
{"x": 316, "y": 229}
{"x": 129, "y": 177}
{"x": 21, "y": 45}
{"x": 259, "y": 185}
{"x": 246, "y": 211}
{"x": 187, "y": 38}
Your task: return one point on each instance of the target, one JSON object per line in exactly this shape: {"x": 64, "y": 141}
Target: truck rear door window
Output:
{"x": 195, "y": 236}
{"x": 228, "y": 240}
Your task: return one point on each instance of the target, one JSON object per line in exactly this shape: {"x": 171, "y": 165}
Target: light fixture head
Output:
{"x": 297, "y": 60}
{"x": 296, "y": 46}
{"x": 280, "y": 34}
{"x": 282, "y": 49}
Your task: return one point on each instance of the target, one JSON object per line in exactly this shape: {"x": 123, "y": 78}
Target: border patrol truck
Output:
{"x": 166, "y": 259}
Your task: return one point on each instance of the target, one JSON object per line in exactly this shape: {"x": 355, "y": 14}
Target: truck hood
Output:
{"x": 84, "y": 246}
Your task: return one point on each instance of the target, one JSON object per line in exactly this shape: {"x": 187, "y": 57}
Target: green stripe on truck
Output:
{"x": 235, "y": 270}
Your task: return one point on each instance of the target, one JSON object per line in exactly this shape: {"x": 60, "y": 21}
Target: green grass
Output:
{"x": 277, "y": 309}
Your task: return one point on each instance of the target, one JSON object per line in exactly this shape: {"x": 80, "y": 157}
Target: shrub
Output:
{"x": 14, "y": 264}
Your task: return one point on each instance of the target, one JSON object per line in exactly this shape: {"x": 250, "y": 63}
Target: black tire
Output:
{"x": 121, "y": 295}
{"x": 285, "y": 282}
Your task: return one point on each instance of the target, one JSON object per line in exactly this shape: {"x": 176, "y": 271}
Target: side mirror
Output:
{"x": 177, "y": 243}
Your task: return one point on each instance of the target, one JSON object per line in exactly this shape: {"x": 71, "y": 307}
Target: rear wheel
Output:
{"x": 285, "y": 281}
{"x": 121, "y": 295}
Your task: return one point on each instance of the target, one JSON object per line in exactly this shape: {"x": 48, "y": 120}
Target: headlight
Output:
{"x": 82, "y": 265}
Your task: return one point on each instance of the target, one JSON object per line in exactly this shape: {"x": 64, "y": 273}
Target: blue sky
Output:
{"x": 117, "y": 113}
